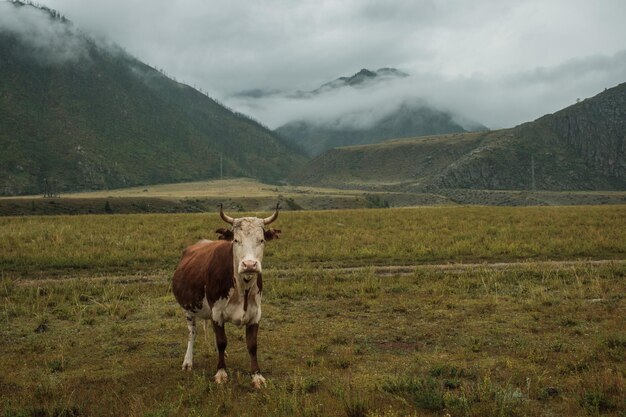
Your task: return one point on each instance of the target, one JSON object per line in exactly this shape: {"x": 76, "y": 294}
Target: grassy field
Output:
{"x": 240, "y": 194}
{"x": 228, "y": 188}
{"x": 244, "y": 194}
{"x": 467, "y": 311}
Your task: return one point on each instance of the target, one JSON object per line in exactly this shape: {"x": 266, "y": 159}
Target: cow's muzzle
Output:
{"x": 249, "y": 266}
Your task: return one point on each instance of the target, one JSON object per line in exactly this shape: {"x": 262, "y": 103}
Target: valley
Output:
{"x": 426, "y": 265}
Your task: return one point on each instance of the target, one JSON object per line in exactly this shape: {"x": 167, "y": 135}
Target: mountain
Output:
{"x": 582, "y": 147}
{"x": 361, "y": 79}
{"x": 77, "y": 113}
{"x": 366, "y": 125}
{"x": 410, "y": 119}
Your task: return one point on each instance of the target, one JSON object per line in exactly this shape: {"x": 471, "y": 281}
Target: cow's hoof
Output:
{"x": 186, "y": 366}
{"x": 221, "y": 377}
{"x": 258, "y": 381}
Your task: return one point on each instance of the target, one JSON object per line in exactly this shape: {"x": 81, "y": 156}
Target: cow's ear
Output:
{"x": 225, "y": 234}
{"x": 270, "y": 234}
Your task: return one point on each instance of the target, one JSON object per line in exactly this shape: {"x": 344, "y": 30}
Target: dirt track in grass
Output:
{"x": 387, "y": 270}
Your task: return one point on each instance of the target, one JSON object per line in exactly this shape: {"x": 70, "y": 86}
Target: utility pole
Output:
{"x": 532, "y": 172}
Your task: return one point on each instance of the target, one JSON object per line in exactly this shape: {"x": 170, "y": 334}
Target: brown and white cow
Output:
{"x": 221, "y": 281}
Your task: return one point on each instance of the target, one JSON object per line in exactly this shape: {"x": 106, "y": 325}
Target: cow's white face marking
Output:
{"x": 248, "y": 245}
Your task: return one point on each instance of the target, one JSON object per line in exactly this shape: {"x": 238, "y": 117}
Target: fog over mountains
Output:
{"x": 366, "y": 107}
{"x": 357, "y": 101}
{"x": 499, "y": 63}
{"x": 500, "y": 102}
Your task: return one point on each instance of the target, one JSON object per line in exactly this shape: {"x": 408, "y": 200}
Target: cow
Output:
{"x": 222, "y": 281}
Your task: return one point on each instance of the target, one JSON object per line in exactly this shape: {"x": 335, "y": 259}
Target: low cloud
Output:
{"x": 50, "y": 39}
{"x": 496, "y": 102}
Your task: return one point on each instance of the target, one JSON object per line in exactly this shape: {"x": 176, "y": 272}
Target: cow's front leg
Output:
{"x": 220, "y": 341}
{"x": 251, "y": 336}
{"x": 191, "y": 325}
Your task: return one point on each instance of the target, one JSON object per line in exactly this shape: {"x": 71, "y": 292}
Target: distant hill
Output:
{"x": 410, "y": 118}
{"x": 582, "y": 147}
{"x": 78, "y": 113}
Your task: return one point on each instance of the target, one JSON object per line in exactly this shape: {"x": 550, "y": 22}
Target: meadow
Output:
{"x": 245, "y": 194}
{"x": 459, "y": 311}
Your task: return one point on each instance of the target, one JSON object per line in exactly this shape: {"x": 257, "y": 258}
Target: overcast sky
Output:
{"x": 498, "y": 62}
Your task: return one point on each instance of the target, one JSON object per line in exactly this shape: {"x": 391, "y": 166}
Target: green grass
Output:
{"x": 96, "y": 244}
{"x": 106, "y": 337}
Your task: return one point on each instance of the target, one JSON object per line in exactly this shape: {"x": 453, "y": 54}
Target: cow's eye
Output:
{"x": 236, "y": 240}
{"x": 262, "y": 241}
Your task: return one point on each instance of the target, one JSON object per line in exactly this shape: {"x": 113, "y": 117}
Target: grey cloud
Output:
{"x": 600, "y": 66}
{"x": 409, "y": 13}
{"x": 226, "y": 47}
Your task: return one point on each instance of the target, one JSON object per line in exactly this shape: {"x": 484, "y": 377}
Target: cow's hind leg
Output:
{"x": 252, "y": 331}
{"x": 220, "y": 341}
{"x": 191, "y": 325}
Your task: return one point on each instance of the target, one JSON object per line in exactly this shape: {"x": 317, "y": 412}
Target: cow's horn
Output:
{"x": 273, "y": 217}
{"x": 224, "y": 217}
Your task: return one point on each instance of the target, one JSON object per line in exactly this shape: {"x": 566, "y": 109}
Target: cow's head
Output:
{"x": 249, "y": 236}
